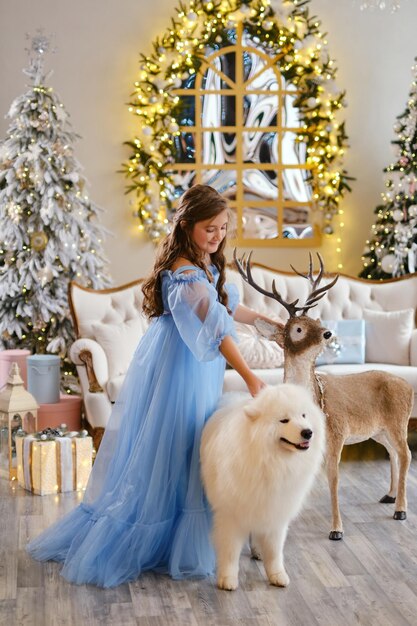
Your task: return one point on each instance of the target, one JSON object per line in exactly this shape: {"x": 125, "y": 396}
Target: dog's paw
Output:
{"x": 229, "y": 583}
{"x": 281, "y": 579}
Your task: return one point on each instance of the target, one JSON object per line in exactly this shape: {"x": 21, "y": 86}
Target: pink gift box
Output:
{"x": 66, "y": 411}
{"x": 7, "y": 357}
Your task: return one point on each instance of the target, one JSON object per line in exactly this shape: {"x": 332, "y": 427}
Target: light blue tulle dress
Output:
{"x": 144, "y": 507}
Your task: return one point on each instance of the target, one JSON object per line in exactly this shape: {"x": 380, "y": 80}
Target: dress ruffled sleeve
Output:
{"x": 202, "y": 321}
{"x": 233, "y": 296}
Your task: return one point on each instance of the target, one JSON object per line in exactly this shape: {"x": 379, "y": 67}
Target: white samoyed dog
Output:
{"x": 259, "y": 459}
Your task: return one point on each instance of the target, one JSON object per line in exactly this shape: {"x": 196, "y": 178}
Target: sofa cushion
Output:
{"x": 388, "y": 336}
{"x": 347, "y": 344}
{"x": 257, "y": 351}
{"x": 119, "y": 342}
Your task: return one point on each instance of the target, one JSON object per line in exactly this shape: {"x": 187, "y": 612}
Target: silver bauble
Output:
{"x": 388, "y": 262}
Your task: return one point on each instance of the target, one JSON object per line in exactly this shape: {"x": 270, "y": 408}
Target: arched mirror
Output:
{"x": 244, "y": 101}
{"x": 238, "y": 128}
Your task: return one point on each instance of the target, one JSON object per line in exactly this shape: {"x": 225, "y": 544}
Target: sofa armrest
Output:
{"x": 413, "y": 348}
{"x": 89, "y": 353}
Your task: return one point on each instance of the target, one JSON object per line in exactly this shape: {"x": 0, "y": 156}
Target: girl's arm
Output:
{"x": 245, "y": 315}
{"x": 231, "y": 353}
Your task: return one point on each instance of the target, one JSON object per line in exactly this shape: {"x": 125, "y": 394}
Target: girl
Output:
{"x": 144, "y": 507}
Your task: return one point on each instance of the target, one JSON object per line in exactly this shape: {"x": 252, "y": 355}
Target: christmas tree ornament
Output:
{"x": 388, "y": 263}
{"x": 45, "y": 275}
{"x": 397, "y": 215}
{"x": 39, "y": 43}
{"x": 412, "y": 258}
{"x": 38, "y": 241}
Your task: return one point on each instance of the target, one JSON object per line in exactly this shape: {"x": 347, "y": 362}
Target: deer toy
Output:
{"x": 368, "y": 405}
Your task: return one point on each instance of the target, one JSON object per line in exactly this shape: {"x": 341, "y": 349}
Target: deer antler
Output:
{"x": 316, "y": 294}
{"x": 309, "y": 276}
{"x": 244, "y": 267}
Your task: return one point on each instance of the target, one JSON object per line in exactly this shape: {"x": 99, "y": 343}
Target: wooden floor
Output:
{"x": 368, "y": 578}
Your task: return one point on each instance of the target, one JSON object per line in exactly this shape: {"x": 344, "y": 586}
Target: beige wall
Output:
{"x": 98, "y": 45}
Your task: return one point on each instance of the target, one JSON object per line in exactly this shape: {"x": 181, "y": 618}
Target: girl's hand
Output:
{"x": 231, "y": 353}
{"x": 254, "y": 385}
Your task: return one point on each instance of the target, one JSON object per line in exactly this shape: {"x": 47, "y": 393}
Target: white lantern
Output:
{"x": 18, "y": 411}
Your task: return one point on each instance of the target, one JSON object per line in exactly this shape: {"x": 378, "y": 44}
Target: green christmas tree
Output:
{"x": 392, "y": 249}
{"x": 49, "y": 233}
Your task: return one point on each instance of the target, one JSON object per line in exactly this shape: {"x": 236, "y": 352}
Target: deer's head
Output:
{"x": 301, "y": 334}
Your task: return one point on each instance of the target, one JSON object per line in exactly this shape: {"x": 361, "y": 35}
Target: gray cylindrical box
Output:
{"x": 43, "y": 373}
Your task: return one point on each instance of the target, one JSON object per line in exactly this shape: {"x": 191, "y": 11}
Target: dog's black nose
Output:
{"x": 327, "y": 334}
{"x": 307, "y": 433}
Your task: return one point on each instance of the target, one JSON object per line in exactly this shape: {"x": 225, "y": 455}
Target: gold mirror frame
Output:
{"x": 273, "y": 209}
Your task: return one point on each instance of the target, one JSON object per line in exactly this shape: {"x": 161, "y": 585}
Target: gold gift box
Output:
{"x": 53, "y": 466}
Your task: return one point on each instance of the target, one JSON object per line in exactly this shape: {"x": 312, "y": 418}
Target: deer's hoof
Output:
{"x": 400, "y": 515}
{"x": 335, "y": 535}
{"x": 387, "y": 500}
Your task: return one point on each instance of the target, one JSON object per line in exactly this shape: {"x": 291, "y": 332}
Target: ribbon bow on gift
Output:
{"x": 50, "y": 434}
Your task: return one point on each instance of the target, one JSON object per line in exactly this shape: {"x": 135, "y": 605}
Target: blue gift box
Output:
{"x": 347, "y": 344}
{"x": 43, "y": 371}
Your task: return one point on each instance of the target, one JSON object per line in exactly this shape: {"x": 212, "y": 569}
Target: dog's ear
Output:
{"x": 270, "y": 330}
{"x": 252, "y": 410}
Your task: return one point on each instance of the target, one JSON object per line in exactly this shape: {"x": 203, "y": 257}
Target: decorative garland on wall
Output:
{"x": 287, "y": 31}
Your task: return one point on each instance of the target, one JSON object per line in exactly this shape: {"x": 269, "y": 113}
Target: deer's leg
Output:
{"x": 334, "y": 451}
{"x": 228, "y": 539}
{"x": 272, "y": 551}
{"x": 399, "y": 441}
{"x": 389, "y": 498}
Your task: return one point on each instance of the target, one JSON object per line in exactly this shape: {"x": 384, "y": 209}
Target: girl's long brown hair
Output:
{"x": 199, "y": 203}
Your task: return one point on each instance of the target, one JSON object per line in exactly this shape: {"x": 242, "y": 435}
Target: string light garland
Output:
{"x": 288, "y": 32}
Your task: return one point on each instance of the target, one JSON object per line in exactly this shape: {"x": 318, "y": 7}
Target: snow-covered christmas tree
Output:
{"x": 49, "y": 234}
{"x": 392, "y": 250}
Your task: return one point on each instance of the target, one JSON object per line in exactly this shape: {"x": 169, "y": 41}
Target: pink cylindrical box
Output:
{"x": 7, "y": 357}
{"x": 66, "y": 411}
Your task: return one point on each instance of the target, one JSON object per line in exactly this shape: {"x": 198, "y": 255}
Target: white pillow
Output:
{"x": 119, "y": 342}
{"x": 388, "y": 336}
{"x": 347, "y": 344}
{"x": 258, "y": 352}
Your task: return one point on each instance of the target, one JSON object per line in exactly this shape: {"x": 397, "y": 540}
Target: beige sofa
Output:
{"x": 109, "y": 324}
